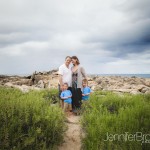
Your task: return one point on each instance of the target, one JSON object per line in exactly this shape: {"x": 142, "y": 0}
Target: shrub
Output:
{"x": 105, "y": 116}
{"x": 27, "y": 121}
{"x": 52, "y": 96}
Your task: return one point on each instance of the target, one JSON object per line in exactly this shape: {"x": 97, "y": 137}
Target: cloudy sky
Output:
{"x": 111, "y": 36}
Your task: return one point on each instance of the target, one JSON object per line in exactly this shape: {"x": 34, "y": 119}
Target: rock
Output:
{"x": 35, "y": 88}
{"x": 103, "y": 84}
{"x": 91, "y": 83}
{"x": 135, "y": 92}
{"x": 23, "y": 82}
{"x": 147, "y": 83}
{"x": 8, "y": 84}
{"x": 89, "y": 79}
{"x": 122, "y": 90}
{"x": 133, "y": 77}
{"x": 127, "y": 86}
{"x": 49, "y": 79}
{"x": 24, "y": 88}
{"x": 145, "y": 89}
{"x": 98, "y": 80}
{"x": 54, "y": 71}
{"x": 49, "y": 85}
{"x": 44, "y": 73}
{"x": 40, "y": 84}
{"x": 119, "y": 84}
{"x": 147, "y": 92}
{"x": 1, "y": 83}
{"x": 96, "y": 87}
{"x": 140, "y": 87}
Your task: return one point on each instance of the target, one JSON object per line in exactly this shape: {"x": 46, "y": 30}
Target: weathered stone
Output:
{"x": 49, "y": 79}
{"x": 140, "y": 87}
{"x": 147, "y": 83}
{"x": 145, "y": 89}
{"x": 9, "y": 84}
{"x": 49, "y": 85}
{"x": 40, "y": 84}
{"x": 94, "y": 87}
{"x": 127, "y": 87}
{"x": 147, "y": 92}
{"x": 90, "y": 79}
{"x": 24, "y": 88}
{"x": 135, "y": 92}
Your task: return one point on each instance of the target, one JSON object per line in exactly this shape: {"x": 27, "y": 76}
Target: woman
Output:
{"x": 78, "y": 74}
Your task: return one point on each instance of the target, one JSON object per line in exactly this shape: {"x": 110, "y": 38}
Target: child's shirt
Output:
{"x": 86, "y": 90}
{"x": 66, "y": 93}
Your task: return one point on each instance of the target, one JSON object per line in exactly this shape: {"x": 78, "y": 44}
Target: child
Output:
{"x": 85, "y": 91}
{"x": 66, "y": 96}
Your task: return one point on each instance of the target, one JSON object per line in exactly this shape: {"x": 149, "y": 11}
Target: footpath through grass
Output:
{"x": 113, "y": 122}
{"x": 28, "y": 121}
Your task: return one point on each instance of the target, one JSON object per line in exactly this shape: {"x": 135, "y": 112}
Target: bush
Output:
{"x": 52, "y": 96}
{"x": 109, "y": 114}
{"x": 27, "y": 121}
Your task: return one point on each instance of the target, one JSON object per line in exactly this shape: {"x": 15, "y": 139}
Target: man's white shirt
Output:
{"x": 66, "y": 74}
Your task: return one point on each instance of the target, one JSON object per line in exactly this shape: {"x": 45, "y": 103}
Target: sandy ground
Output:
{"x": 72, "y": 139}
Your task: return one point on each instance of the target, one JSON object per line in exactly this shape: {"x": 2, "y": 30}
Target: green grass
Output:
{"x": 29, "y": 121}
{"x": 108, "y": 113}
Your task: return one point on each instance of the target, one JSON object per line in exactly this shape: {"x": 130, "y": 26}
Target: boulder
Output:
{"x": 98, "y": 80}
{"x": 9, "y": 84}
{"x": 26, "y": 82}
{"x": 147, "y": 83}
{"x": 135, "y": 92}
{"x": 96, "y": 87}
{"x": 145, "y": 89}
{"x": 24, "y": 88}
{"x": 56, "y": 73}
{"x": 147, "y": 92}
{"x": 48, "y": 85}
{"x": 40, "y": 84}
{"x": 140, "y": 87}
{"x": 127, "y": 86}
{"x": 89, "y": 79}
{"x": 121, "y": 90}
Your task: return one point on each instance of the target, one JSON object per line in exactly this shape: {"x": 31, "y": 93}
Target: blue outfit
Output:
{"x": 86, "y": 90}
{"x": 66, "y": 93}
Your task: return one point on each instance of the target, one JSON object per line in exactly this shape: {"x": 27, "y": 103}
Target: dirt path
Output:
{"x": 72, "y": 139}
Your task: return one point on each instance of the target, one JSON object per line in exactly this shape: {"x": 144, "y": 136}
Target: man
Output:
{"x": 65, "y": 76}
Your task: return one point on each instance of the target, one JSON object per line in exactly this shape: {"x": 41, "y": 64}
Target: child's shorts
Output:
{"x": 67, "y": 107}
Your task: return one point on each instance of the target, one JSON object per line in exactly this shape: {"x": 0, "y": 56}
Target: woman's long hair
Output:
{"x": 76, "y": 58}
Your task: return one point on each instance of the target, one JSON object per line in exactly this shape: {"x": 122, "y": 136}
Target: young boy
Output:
{"x": 85, "y": 91}
{"x": 66, "y": 96}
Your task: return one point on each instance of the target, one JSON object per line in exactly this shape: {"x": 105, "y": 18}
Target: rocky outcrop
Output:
{"x": 37, "y": 81}
{"x": 134, "y": 85}
{"x": 42, "y": 80}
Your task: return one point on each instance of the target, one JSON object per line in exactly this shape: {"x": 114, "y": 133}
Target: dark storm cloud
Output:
{"x": 133, "y": 33}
